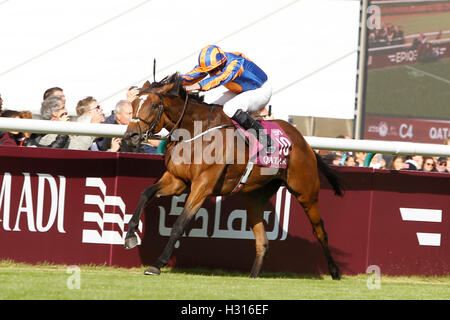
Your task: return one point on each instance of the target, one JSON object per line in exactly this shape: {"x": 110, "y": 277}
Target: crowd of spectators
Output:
{"x": 390, "y": 35}
{"x": 386, "y": 36}
{"x": 389, "y": 162}
{"x": 53, "y": 108}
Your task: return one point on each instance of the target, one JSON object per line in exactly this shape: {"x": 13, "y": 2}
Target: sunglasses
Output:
{"x": 95, "y": 108}
{"x": 429, "y": 164}
{"x": 443, "y": 163}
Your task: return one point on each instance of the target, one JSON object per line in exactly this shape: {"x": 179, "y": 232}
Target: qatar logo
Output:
{"x": 106, "y": 224}
{"x": 383, "y": 128}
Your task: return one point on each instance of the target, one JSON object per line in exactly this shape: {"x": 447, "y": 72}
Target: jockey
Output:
{"x": 248, "y": 86}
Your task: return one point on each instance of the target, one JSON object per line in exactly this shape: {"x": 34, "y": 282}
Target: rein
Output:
{"x": 181, "y": 117}
{"x": 149, "y": 133}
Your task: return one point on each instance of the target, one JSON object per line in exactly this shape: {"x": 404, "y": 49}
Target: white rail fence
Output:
{"x": 113, "y": 130}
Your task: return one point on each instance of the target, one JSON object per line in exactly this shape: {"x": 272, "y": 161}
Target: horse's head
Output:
{"x": 149, "y": 110}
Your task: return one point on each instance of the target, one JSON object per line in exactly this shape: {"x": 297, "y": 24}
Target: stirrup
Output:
{"x": 247, "y": 122}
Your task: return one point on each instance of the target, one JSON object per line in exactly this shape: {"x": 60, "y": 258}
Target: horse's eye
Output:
{"x": 155, "y": 105}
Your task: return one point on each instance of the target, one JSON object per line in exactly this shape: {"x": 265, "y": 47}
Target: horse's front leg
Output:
{"x": 198, "y": 194}
{"x": 166, "y": 186}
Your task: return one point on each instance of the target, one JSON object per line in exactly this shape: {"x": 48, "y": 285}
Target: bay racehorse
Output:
{"x": 165, "y": 104}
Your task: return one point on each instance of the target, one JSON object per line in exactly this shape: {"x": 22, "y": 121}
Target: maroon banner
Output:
{"x": 73, "y": 207}
{"x": 406, "y": 129}
{"x": 400, "y": 55}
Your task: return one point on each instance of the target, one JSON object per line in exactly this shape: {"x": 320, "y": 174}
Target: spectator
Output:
{"x": 378, "y": 162}
{"x": 150, "y": 146}
{"x": 447, "y": 143}
{"x": 441, "y": 165}
{"x": 386, "y": 36}
{"x": 132, "y": 93}
{"x": 21, "y": 138}
{"x": 428, "y": 164}
{"x": 55, "y": 91}
{"x": 87, "y": 110}
{"x": 343, "y": 156}
{"x": 53, "y": 109}
{"x": 390, "y": 35}
{"x": 414, "y": 162}
{"x": 398, "y": 35}
{"x": 15, "y": 135}
{"x": 1, "y": 103}
{"x": 121, "y": 115}
{"x": 360, "y": 157}
{"x": 350, "y": 161}
{"x": 26, "y": 136}
{"x": 397, "y": 163}
{"x": 6, "y": 140}
{"x": 26, "y": 115}
{"x": 381, "y": 37}
{"x": 372, "y": 40}
{"x": 332, "y": 158}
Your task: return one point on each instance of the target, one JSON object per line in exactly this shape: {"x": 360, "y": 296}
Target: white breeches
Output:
{"x": 252, "y": 100}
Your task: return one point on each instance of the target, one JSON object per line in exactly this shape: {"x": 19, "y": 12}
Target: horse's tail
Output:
{"x": 332, "y": 178}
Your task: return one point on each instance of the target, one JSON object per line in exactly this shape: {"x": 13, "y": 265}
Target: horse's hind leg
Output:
{"x": 167, "y": 185}
{"x": 255, "y": 212}
{"x": 303, "y": 182}
{"x": 312, "y": 211}
{"x": 255, "y": 202}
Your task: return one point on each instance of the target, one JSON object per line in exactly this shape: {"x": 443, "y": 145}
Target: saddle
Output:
{"x": 259, "y": 155}
{"x": 274, "y": 158}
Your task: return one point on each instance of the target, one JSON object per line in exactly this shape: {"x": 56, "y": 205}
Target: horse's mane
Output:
{"x": 178, "y": 89}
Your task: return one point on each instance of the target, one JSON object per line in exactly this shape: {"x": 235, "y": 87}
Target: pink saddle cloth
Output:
{"x": 280, "y": 151}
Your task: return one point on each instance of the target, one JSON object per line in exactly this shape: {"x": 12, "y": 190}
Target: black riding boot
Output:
{"x": 247, "y": 122}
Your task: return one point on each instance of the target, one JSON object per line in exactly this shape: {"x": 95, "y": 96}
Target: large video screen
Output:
{"x": 407, "y": 95}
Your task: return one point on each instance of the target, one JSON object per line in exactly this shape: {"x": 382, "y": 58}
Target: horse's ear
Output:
{"x": 174, "y": 85}
{"x": 146, "y": 85}
{"x": 165, "y": 89}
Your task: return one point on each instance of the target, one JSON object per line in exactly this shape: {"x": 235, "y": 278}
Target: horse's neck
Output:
{"x": 208, "y": 115}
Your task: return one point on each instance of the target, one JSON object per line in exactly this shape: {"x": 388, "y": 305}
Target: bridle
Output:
{"x": 149, "y": 133}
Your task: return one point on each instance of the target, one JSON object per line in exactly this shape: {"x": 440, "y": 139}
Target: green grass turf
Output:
{"x": 406, "y": 91}
{"x": 49, "y": 282}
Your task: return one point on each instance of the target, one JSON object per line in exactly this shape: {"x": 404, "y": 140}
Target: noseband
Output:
{"x": 149, "y": 133}
{"x": 152, "y": 125}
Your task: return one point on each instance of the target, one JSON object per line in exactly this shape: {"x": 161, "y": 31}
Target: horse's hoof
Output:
{"x": 131, "y": 242}
{"x": 336, "y": 275}
{"x": 152, "y": 271}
